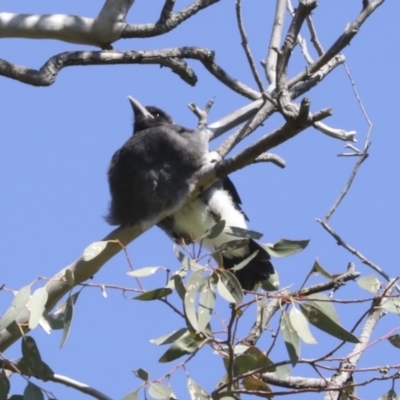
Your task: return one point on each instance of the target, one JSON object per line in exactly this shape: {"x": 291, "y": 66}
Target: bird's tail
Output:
{"x": 257, "y": 270}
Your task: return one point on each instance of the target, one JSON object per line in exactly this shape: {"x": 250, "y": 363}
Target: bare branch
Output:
{"x": 343, "y": 40}
{"x": 339, "y": 379}
{"x": 101, "y": 32}
{"x": 159, "y": 28}
{"x": 304, "y": 9}
{"x": 275, "y": 43}
{"x": 47, "y": 74}
{"x": 272, "y": 158}
{"x": 336, "y": 133}
{"x": 166, "y": 11}
{"x": 314, "y": 38}
{"x": 246, "y": 47}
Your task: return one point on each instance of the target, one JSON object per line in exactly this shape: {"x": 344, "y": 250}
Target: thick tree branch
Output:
{"x": 109, "y": 26}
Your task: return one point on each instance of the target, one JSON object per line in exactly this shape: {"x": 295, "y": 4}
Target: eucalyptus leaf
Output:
{"x": 392, "y": 305}
{"x": 216, "y": 230}
{"x": 68, "y": 315}
{"x": 370, "y": 283}
{"x": 322, "y": 321}
{"x": 186, "y": 344}
{"x": 17, "y": 305}
{"x": 170, "y": 338}
{"x": 4, "y": 385}
{"x": 206, "y": 305}
{"x": 291, "y": 338}
{"x": 286, "y": 247}
{"x": 93, "y": 250}
{"x": 300, "y": 324}
{"x": 142, "y": 374}
{"x": 132, "y": 396}
{"x": 196, "y": 392}
{"x": 317, "y": 267}
{"x": 153, "y": 294}
{"x": 160, "y": 392}
{"x": 33, "y": 392}
{"x": 229, "y": 287}
{"x": 242, "y": 233}
{"x": 187, "y": 263}
{"x": 189, "y": 301}
{"x": 253, "y": 383}
{"x": 395, "y": 340}
{"x": 143, "y": 272}
{"x": 37, "y": 306}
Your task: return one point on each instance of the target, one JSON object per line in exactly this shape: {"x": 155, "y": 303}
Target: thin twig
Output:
{"x": 245, "y": 45}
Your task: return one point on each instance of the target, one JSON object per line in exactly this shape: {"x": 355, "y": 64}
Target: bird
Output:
{"x": 154, "y": 171}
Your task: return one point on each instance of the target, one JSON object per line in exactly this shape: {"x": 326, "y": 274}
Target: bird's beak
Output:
{"x": 139, "y": 108}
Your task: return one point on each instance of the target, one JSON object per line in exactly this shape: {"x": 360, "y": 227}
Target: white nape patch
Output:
{"x": 195, "y": 218}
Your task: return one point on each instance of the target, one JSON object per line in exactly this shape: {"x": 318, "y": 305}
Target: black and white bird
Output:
{"x": 153, "y": 172}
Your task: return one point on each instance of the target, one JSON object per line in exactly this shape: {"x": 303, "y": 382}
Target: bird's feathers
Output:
{"x": 153, "y": 172}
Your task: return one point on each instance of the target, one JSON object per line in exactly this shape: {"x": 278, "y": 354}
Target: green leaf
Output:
{"x": 186, "y": 344}
{"x": 153, "y": 294}
{"x": 69, "y": 277}
{"x": 261, "y": 360}
{"x": 132, "y": 395}
{"x": 390, "y": 395}
{"x": 142, "y": 374}
{"x": 324, "y": 304}
{"x": 253, "y": 383}
{"x": 370, "y": 283}
{"x": 232, "y": 245}
{"x": 395, "y": 340}
{"x": 30, "y": 351}
{"x": 142, "y": 272}
{"x": 196, "y": 392}
{"x": 37, "y": 306}
{"x": 68, "y": 315}
{"x": 189, "y": 301}
{"x": 392, "y": 305}
{"x": 242, "y": 233}
{"x": 291, "y": 338}
{"x": 286, "y": 247}
{"x": 32, "y": 392}
{"x": 300, "y": 325}
{"x": 282, "y": 371}
{"x": 187, "y": 263}
{"x": 170, "y": 338}
{"x": 17, "y": 305}
{"x": 318, "y": 268}
{"x": 206, "y": 305}
{"x": 4, "y": 385}
{"x": 216, "y": 230}
{"x": 244, "y": 363}
{"x": 229, "y": 287}
{"x": 324, "y": 322}
{"x": 93, "y": 250}
{"x": 179, "y": 286}
{"x": 160, "y": 392}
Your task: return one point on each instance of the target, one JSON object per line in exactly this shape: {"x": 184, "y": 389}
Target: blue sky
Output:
{"x": 57, "y": 141}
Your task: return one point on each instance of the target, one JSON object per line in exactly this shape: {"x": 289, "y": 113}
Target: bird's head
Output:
{"x": 147, "y": 117}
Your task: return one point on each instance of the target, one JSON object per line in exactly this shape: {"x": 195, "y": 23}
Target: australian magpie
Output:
{"x": 153, "y": 172}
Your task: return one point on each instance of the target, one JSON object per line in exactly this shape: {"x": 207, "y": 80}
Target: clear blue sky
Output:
{"x": 56, "y": 143}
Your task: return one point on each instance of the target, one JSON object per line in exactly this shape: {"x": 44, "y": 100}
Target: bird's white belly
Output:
{"x": 196, "y": 218}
